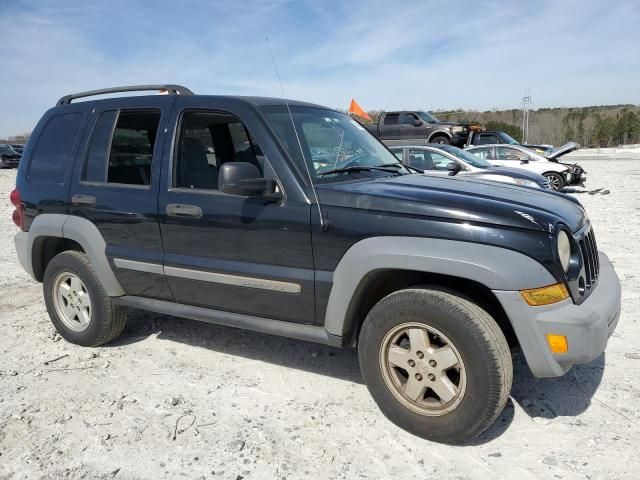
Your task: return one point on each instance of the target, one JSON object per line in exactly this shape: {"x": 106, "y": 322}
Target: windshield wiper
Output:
{"x": 360, "y": 168}
{"x": 402, "y": 165}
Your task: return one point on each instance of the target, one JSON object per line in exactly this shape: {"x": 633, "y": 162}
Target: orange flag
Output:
{"x": 357, "y": 109}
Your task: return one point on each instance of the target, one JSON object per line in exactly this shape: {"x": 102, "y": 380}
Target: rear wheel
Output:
{"x": 556, "y": 181}
{"x": 79, "y": 308}
{"x": 441, "y": 139}
{"x": 436, "y": 364}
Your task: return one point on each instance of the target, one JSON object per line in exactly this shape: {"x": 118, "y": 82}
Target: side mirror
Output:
{"x": 417, "y": 123}
{"x": 243, "y": 178}
{"x": 454, "y": 168}
{"x": 522, "y": 162}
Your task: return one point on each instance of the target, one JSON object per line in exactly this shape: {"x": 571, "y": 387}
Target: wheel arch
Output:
{"x": 51, "y": 234}
{"x": 374, "y": 267}
{"x": 439, "y": 133}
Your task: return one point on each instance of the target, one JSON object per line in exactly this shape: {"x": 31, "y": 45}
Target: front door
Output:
{"x": 510, "y": 157}
{"x": 247, "y": 255}
{"x": 409, "y": 129}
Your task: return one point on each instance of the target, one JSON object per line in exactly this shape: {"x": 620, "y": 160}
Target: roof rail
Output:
{"x": 171, "y": 89}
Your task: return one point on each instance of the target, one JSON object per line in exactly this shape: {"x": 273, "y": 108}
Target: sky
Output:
{"x": 387, "y": 55}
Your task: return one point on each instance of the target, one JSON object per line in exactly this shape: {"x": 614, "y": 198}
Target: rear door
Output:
{"x": 246, "y": 255}
{"x": 391, "y": 128}
{"x": 115, "y": 186}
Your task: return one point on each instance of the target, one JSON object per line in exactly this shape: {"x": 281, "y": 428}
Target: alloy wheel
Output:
{"x": 423, "y": 369}
{"x": 72, "y": 302}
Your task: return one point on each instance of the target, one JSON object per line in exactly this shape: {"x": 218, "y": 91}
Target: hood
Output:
{"x": 563, "y": 150}
{"x": 453, "y": 124}
{"x": 458, "y": 199}
{"x": 518, "y": 173}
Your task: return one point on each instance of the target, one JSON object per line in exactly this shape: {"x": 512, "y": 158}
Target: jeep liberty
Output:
{"x": 291, "y": 219}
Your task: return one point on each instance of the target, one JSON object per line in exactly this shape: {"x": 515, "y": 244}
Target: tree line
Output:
{"x": 596, "y": 126}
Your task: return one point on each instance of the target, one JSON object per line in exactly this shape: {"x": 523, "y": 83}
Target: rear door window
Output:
{"x": 121, "y": 148}
{"x": 391, "y": 119}
{"x": 54, "y": 149}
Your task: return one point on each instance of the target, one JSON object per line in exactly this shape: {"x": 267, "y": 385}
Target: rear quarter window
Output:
{"x": 54, "y": 148}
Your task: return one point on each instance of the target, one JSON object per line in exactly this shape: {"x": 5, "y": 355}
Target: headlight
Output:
{"x": 526, "y": 182}
{"x": 564, "y": 250}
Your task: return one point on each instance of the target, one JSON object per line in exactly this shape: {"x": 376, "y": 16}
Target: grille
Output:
{"x": 590, "y": 259}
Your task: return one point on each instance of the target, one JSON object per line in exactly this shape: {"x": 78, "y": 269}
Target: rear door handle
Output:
{"x": 83, "y": 200}
{"x": 182, "y": 210}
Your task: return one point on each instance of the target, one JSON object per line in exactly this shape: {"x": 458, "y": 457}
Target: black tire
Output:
{"x": 556, "y": 180}
{"x": 107, "y": 319}
{"x": 441, "y": 139}
{"x": 476, "y": 336}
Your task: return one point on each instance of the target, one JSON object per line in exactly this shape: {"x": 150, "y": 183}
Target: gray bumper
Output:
{"x": 21, "y": 241}
{"x": 587, "y": 326}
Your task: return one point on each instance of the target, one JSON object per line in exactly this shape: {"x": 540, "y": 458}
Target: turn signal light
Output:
{"x": 545, "y": 295}
{"x": 557, "y": 343}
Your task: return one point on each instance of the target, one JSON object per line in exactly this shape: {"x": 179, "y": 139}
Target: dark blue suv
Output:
{"x": 291, "y": 219}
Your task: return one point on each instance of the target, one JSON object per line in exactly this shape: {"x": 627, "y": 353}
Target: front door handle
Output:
{"x": 182, "y": 210}
{"x": 83, "y": 200}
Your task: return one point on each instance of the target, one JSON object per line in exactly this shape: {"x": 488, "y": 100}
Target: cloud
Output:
{"x": 402, "y": 55}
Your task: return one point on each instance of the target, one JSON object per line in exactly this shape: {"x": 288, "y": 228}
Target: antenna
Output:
{"x": 295, "y": 130}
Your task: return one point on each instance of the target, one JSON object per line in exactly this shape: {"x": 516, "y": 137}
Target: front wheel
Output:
{"x": 436, "y": 364}
{"x": 556, "y": 181}
{"x": 441, "y": 139}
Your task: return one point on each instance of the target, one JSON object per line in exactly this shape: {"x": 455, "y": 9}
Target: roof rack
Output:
{"x": 170, "y": 89}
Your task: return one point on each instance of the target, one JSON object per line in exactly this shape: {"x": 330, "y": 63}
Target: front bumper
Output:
{"x": 587, "y": 326}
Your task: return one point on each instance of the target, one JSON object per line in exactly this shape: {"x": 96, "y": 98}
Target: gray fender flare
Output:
{"x": 86, "y": 234}
{"x": 494, "y": 267}
{"x": 446, "y": 133}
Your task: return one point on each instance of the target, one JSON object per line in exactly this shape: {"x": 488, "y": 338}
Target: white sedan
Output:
{"x": 516, "y": 156}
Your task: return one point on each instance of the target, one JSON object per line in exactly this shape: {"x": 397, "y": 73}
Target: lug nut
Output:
{"x": 432, "y": 363}
{"x": 418, "y": 377}
{"x": 432, "y": 377}
{"x": 420, "y": 354}
{"x": 412, "y": 363}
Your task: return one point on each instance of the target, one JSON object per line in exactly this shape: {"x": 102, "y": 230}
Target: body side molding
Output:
{"x": 496, "y": 268}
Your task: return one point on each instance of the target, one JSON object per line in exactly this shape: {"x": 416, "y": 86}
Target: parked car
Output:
{"x": 517, "y": 156}
{"x": 417, "y": 127}
{"x": 433, "y": 279}
{"x": 488, "y": 137}
{"x": 18, "y": 147}
{"x": 450, "y": 160}
{"x": 9, "y": 158}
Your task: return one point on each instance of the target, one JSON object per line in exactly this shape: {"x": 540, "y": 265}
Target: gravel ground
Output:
{"x": 175, "y": 398}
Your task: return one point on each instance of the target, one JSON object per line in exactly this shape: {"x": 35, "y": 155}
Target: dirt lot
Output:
{"x": 174, "y": 398}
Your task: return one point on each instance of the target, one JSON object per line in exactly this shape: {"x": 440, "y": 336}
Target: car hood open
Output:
{"x": 458, "y": 199}
{"x": 563, "y": 150}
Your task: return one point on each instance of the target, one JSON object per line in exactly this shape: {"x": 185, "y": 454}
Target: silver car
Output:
{"x": 449, "y": 160}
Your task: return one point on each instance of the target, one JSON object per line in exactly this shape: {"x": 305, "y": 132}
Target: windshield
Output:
{"x": 330, "y": 141}
{"x": 427, "y": 117}
{"x": 508, "y": 138}
{"x": 467, "y": 157}
{"x": 6, "y": 149}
